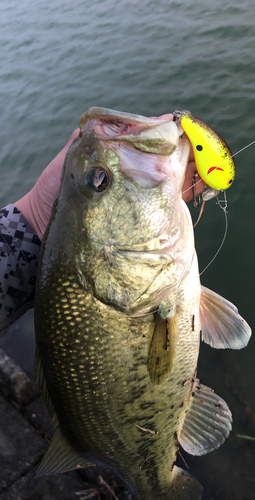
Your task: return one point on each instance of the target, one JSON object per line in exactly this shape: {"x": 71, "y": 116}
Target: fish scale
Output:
{"x": 93, "y": 383}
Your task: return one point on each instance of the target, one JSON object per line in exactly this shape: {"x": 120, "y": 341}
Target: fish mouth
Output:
{"x": 146, "y": 147}
{"x": 149, "y": 135}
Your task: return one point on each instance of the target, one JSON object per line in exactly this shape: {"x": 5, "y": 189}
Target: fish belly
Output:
{"x": 95, "y": 363}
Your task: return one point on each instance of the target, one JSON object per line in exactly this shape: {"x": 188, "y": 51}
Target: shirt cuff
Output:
{"x": 19, "y": 258}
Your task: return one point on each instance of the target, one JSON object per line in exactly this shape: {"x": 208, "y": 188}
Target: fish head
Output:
{"x": 120, "y": 197}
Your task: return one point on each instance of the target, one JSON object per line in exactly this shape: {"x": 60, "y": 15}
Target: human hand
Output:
{"x": 36, "y": 205}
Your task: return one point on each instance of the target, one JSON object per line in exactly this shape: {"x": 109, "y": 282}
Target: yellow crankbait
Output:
{"x": 213, "y": 157}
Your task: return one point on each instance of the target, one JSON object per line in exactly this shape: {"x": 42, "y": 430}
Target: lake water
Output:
{"x": 59, "y": 58}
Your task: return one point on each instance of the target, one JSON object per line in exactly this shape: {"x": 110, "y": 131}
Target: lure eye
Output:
{"x": 199, "y": 147}
{"x": 97, "y": 179}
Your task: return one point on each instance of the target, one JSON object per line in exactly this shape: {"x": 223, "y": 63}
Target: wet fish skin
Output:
{"x": 109, "y": 261}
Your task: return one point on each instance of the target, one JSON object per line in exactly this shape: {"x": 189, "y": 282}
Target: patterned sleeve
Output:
{"x": 19, "y": 256}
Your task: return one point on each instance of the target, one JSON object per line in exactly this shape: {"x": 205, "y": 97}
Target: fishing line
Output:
{"x": 240, "y": 150}
{"x": 224, "y": 208}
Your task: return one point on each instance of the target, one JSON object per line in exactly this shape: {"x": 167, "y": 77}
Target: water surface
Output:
{"x": 59, "y": 58}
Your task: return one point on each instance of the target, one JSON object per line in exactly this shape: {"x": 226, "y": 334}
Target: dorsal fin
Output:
{"x": 207, "y": 423}
{"x": 221, "y": 324}
{"x": 162, "y": 349}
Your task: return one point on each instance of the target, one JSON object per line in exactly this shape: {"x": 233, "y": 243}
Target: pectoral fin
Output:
{"x": 60, "y": 457}
{"x": 162, "y": 349}
{"x": 221, "y": 324}
{"x": 207, "y": 423}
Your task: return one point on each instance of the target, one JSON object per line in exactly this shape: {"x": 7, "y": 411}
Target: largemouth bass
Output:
{"x": 120, "y": 310}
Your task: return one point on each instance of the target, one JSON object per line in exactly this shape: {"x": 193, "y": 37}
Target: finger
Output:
{"x": 187, "y": 192}
{"x": 191, "y": 154}
{"x": 57, "y": 162}
{"x": 74, "y": 135}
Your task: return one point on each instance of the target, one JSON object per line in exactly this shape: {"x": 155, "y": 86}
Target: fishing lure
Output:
{"x": 214, "y": 160}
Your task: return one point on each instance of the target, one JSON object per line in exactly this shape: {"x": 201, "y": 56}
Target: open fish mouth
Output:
{"x": 154, "y": 135}
{"x": 144, "y": 145}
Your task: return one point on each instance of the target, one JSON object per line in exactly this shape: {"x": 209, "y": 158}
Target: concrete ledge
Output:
{"x": 25, "y": 433}
{"x": 15, "y": 383}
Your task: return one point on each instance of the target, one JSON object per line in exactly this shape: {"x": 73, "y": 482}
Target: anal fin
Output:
{"x": 60, "y": 457}
{"x": 207, "y": 423}
{"x": 221, "y": 324}
{"x": 162, "y": 349}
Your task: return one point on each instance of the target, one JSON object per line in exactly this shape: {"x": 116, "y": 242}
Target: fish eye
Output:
{"x": 97, "y": 179}
{"x": 199, "y": 147}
